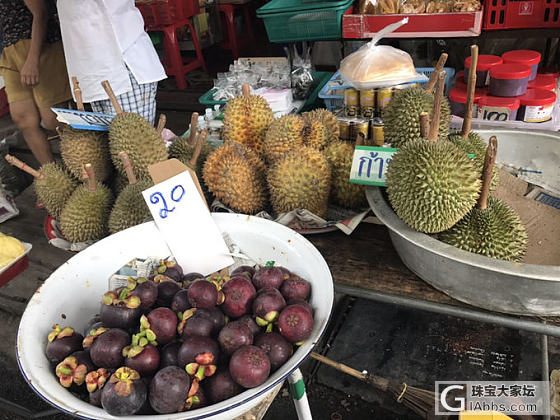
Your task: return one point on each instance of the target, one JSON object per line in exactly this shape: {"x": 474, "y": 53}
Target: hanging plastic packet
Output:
{"x": 302, "y": 78}
{"x": 378, "y": 66}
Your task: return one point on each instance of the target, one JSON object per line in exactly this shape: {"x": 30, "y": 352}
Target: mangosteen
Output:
{"x": 92, "y": 323}
{"x": 83, "y": 358}
{"x": 180, "y": 301}
{"x": 267, "y": 306}
{"x": 146, "y": 290}
{"x": 94, "y": 384}
{"x": 167, "y": 287}
{"x": 124, "y": 393}
{"x": 296, "y": 288}
{"x": 169, "y": 390}
{"x": 189, "y": 278}
{"x": 94, "y": 332}
{"x": 221, "y": 386}
{"x": 192, "y": 325}
{"x": 215, "y": 315}
{"x": 244, "y": 269}
{"x": 287, "y": 273}
{"x": 71, "y": 371}
{"x": 170, "y": 269}
{"x": 276, "y": 347}
{"x": 106, "y": 350}
{"x": 203, "y": 294}
{"x": 268, "y": 276}
{"x": 239, "y": 293}
{"x": 250, "y": 322}
{"x": 162, "y": 322}
{"x": 295, "y": 323}
{"x": 302, "y": 303}
{"x": 143, "y": 359}
{"x": 234, "y": 335}
{"x": 249, "y": 366}
{"x": 62, "y": 341}
{"x": 168, "y": 354}
{"x": 119, "y": 309}
{"x": 199, "y": 356}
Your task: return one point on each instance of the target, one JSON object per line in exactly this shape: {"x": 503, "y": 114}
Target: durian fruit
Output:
{"x": 130, "y": 209}
{"x": 85, "y": 215}
{"x": 400, "y": 117}
{"x": 10, "y": 249}
{"x": 131, "y": 133}
{"x": 235, "y": 174}
{"x": 327, "y": 118}
{"x": 300, "y": 180}
{"x": 316, "y": 135}
{"x": 492, "y": 228}
{"x": 246, "y": 120}
{"x": 284, "y": 134}
{"x": 53, "y": 184}
{"x": 432, "y": 184}
{"x": 183, "y": 150}
{"x": 79, "y": 147}
{"x": 119, "y": 183}
{"x": 345, "y": 194}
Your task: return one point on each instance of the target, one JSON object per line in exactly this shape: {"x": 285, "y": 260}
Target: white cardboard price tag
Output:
{"x": 370, "y": 165}
{"x": 187, "y": 226}
{"x": 84, "y": 120}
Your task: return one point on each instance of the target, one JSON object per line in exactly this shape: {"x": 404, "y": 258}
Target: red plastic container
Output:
{"x": 494, "y": 108}
{"x": 515, "y": 14}
{"x": 485, "y": 63}
{"x": 458, "y": 100}
{"x": 536, "y": 105}
{"x": 509, "y": 80}
{"x": 525, "y": 57}
{"x": 166, "y": 12}
{"x": 543, "y": 82}
{"x": 4, "y": 107}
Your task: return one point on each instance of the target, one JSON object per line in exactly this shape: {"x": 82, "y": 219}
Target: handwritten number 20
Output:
{"x": 176, "y": 195}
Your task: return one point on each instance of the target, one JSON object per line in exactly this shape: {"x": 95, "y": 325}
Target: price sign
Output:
{"x": 187, "y": 226}
{"x": 83, "y": 120}
{"x": 370, "y": 165}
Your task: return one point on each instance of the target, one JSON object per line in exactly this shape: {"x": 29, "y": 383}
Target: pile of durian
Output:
{"x": 292, "y": 162}
{"x": 435, "y": 188}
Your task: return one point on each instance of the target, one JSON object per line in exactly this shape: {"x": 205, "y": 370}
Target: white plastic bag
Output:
{"x": 377, "y": 66}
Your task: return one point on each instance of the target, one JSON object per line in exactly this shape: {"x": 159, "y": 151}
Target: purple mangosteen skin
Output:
{"x": 296, "y": 288}
{"x": 166, "y": 291}
{"x": 147, "y": 292}
{"x": 215, "y": 315}
{"x": 276, "y": 347}
{"x": 244, "y": 269}
{"x": 197, "y": 327}
{"x": 234, "y": 335}
{"x": 145, "y": 363}
{"x": 119, "y": 316}
{"x": 250, "y": 322}
{"x": 239, "y": 294}
{"x": 202, "y": 294}
{"x": 61, "y": 348}
{"x": 117, "y": 405}
{"x": 268, "y": 277}
{"x": 168, "y": 354}
{"x": 163, "y": 322}
{"x": 193, "y": 346}
{"x": 180, "y": 301}
{"x": 106, "y": 350}
{"x": 249, "y": 366}
{"x": 268, "y": 299}
{"x": 169, "y": 389}
{"x": 221, "y": 386}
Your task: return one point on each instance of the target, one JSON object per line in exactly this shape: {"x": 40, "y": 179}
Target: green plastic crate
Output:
{"x": 295, "y": 20}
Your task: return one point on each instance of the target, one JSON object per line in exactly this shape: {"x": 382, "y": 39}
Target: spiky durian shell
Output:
{"x": 340, "y": 154}
{"x": 130, "y": 209}
{"x": 119, "y": 183}
{"x": 400, "y": 117}
{"x": 474, "y": 144}
{"x": 54, "y": 190}
{"x": 284, "y": 134}
{"x": 85, "y": 216}
{"x": 316, "y": 135}
{"x": 432, "y": 185}
{"x": 235, "y": 175}
{"x": 495, "y": 232}
{"x": 325, "y": 117}
{"x": 246, "y": 119}
{"x": 300, "y": 180}
{"x": 79, "y": 147}
{"x": 182, "y": 150}
{"x": 131, "y": 133}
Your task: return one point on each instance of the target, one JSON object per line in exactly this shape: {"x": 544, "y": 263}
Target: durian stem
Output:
{"x": 436, "y": 111}
{"x": 112, "y": 97}
{"x": 434, "y": 76}
{"x": 489, "y": 161}
{"x": 123, "y": 156}
{"x": 78, "y": 93}
{"x": 161, "y": 123}
{"x": 91, "y": 177}
{"x": 424, "y": 125}
{"x": 12, "y": 160}
{"x": 193, "y": 127}
{"x": 201, "y": 138}
{"x": 246, "y": 89}
{"x": 471, "y": 86}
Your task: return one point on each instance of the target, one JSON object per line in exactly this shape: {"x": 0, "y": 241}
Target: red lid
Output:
{"x": 550, "y": 72}
{"x": 543, "y": 82}
{"x": 527, "y": 57}
{"x": 485, "y": 61}
{"x": 460, "y": 95}
{"x": 511, "y": 103}
{"x": 535, "y": 97}
{"x": 510, "y": 71}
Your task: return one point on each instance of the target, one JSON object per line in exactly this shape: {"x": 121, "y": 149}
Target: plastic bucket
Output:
{"x": 71, "y": 295}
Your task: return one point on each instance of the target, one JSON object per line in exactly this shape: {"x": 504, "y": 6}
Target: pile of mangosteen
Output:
{"x": 173, "y": 342}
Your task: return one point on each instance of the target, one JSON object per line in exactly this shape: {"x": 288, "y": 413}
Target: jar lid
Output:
{"x": 485, "y": 61}
{"x": 535, "y": 97}
{"x": 511, "y": 103}
{"x": 460, "y": 95}
{"x": 510, "y": 71}
{"x": 542, "y": 82}
{"x": 527, "y": 57}
{"x": 549, "y": 72}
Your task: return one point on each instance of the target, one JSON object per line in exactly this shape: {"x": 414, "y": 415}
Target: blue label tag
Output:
{"x": 83, "y": 120}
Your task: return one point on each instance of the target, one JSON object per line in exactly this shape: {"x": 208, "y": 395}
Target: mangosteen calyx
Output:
{"x": 270, "y": 263}
{"x": 96, "y": 379}
{"x": 59, "y": 332}
{"x": 183, "y": 317}
{"x": 93, "y": 334}
{"x": 202, "y": 367}
{"x": 142, "y": 339}
{"x": 268, "y": 319}
{"x": 69, "y": 371}
{"x": 121, "y": 298}
{"x": 192, "y": 398}
{"x": 160, "y": 278}
{"x": 123, "y": 378}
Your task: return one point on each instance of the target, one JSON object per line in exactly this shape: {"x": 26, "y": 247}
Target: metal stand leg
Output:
{"x": 545, "y": 370}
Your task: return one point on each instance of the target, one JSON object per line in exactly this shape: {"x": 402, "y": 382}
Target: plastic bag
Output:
{"x": 302, "y": 78}
{"x": 376, "y": 66}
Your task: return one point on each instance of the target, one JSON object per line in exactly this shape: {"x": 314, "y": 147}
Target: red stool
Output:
{"x": 233, "y": 42}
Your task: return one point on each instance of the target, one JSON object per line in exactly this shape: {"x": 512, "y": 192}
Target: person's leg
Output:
{"x": 48, "y": 117}
{"x": 25, "y": 115}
